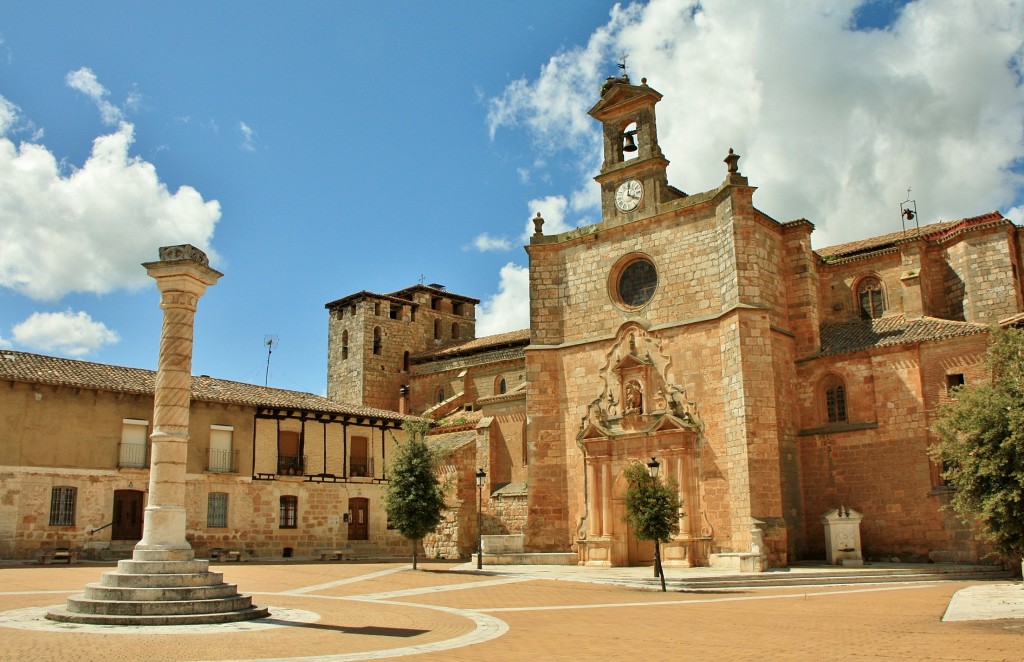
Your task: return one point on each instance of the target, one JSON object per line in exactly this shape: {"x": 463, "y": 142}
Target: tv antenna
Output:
{"x": 270, "y": 341}
{"x": 908, "y": 212}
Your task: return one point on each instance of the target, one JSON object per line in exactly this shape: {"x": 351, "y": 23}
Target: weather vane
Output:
{"x": 908, "y": 212}
{"x": 622, "y": 64}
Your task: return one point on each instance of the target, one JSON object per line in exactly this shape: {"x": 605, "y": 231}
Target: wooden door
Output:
{"x": 127, "y": 519}
{"x": 358, "y": 519}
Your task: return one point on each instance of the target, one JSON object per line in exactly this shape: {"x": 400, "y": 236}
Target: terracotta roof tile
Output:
{"x": 932, "y": 231}
{"x": 846, "y": 337}
{"x": 51, "y": 370}
{"x": 511, "y": 338}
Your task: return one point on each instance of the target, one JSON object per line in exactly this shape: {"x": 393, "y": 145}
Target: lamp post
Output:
{"x": 480, "y": 476}
{"x": 653, "y": 467}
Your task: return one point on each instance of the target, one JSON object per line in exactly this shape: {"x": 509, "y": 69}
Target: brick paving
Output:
{"x": 450, "y": 612}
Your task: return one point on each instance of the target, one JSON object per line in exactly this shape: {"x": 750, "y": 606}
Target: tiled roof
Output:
{"x": 401, "y": 296}
{"x": 889, "y": 331}
{"x": 932, "y": 231}
{"x": 51, "y": 370}
{"x": 447, "y": 442}
{"x": 486, "y": 343}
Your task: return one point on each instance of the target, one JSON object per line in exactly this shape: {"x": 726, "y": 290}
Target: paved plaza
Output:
{"x": 359, "y": 611}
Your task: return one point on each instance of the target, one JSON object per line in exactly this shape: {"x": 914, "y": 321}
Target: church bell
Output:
{"x": 628, "y": 141}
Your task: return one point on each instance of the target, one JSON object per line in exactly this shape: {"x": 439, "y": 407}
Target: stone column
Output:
{"x": 182, "y": 276}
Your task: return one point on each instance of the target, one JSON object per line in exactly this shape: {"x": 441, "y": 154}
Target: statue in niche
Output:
{"x": 634, "y": 400}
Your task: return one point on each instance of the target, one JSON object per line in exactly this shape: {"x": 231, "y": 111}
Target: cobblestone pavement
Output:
{"x": 357, "y": 611}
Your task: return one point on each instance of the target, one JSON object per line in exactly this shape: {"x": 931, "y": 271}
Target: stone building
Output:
{"x": 270, "y": 473}
{"x": 773, "y": 382}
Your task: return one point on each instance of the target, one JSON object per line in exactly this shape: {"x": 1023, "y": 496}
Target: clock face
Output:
{"x": 627, "y": 196}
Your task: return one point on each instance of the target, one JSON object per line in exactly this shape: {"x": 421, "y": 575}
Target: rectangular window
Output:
{"x": 359, "y": 464}
{"x": 289, "y": 512}
{"x": 221, "y": 455}
{"x": 953, "y": 382}
{"x": 288, "y": 460}
{"x": 62, "y": 506}
{"x": 133, "y": 443}
{"x": 217, "y": 510}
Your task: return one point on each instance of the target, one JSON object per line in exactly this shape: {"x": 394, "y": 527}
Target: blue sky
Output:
{"x": 318, "y": 149}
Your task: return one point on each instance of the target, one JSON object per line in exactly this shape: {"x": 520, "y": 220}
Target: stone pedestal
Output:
{"x": 842, "y": 537}
{"x": 163, "y": 583}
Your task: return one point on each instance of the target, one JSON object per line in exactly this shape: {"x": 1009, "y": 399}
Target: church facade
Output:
{"x": 771, "y": 381}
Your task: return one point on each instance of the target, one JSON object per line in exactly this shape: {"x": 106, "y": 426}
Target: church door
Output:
{"x": 358, "y": 519}
{"x": 127, "y": 520}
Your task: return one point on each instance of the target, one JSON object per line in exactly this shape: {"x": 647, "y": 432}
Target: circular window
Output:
{"x": 637, "y": 283}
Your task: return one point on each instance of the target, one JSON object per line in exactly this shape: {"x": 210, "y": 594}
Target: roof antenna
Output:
{"x": 270, "y": 341}
{"x": 908, "y": 212}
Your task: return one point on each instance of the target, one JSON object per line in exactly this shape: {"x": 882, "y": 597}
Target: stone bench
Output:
{"x": 334, "y": 554}
{"x": 221, "y": 555}
{"x": 66, "y": 554}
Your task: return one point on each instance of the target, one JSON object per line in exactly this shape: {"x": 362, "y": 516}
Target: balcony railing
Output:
{"x": 361, "y": 467}
{"x": 221, "y": 461}
{"x": 133, "y": 456}
{"x": 290, "y": 465}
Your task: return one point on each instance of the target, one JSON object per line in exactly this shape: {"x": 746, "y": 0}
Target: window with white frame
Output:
{"x": 221, "y": 453}
{"x": 134, "y": 433}
{"x": 217, "y": 510}
{"x": 62, "y": 505}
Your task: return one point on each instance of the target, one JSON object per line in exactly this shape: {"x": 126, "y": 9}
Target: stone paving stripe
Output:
{"x": 987, "y": 602}
{"x": 487, "y": 628}
{"x": 900, "y": 587}
{"x": 34, "y": 618}
{"x": 388, "y": 595}
{"x": 342, "y": 582}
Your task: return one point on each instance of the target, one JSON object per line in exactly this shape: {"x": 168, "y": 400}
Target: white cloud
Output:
{"x": 509, "y": 309}
{"x": 67, "y": 333}
{"x": 833, "y": 124}
{"x": 248, "y": 137}
{"x": 552, "y": 210}
{"x": 4, "y": 343}
{"x": 85, "y": 81}
{"x": 485, "y": 242}
{"x": 90, "y": 230}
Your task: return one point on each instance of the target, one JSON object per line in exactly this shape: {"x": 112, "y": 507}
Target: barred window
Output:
{"x": 62, "y": 506}
{"x": 289, "y": 512}
{"x": 835, "y": 401}
{"x": 217, "y": 510}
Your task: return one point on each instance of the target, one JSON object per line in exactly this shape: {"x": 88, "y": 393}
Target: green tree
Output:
{"x": 981, "y": 446}
{"x": 652, "y": 510}
{"x": 414, "y": 496}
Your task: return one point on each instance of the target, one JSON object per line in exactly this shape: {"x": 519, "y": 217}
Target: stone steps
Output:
{"x": 61, "y": 614}
{"x": 148, "y": 591}
{"x": 100, "y": 592}
{"x": 825, "y": 577}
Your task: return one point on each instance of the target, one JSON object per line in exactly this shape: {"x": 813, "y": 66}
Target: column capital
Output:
{"x": 182, "y": 268}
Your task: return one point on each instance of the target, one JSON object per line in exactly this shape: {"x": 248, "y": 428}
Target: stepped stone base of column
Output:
{"x": 147, "y": 591}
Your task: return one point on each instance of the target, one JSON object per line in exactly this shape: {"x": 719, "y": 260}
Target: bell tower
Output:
{"x": 633, "y": 176}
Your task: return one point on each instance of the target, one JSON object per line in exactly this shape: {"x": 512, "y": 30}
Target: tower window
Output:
{"x": 954, "y": 382}
{"x": 869, "y": 295}
{"x": 344, "y": 344}
{"x": 437, "y": 329}
{"x": 377, "y": 342}
{"x": 455, "y": 330}
{"x": 500, "y": 387}
{"x": 405, "y": 362}
{"x": 376, "y": 308}
{"x": 394, "y": 311}
{"x": 440, "y": 395}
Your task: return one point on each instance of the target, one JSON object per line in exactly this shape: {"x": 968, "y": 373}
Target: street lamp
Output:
{"x": 653, "y": 467}
{"x": 480, "y": 476}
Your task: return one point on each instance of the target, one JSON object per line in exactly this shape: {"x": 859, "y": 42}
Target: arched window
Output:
{"x": 455, "y": 330}
{"x": 500, "y": 387}
{"x": 835, "y": 399}
{"x": 376, "y": 340}
{"x": 437, "y": 329}
{"x": 869, "y": 298}
{"x": 344, "y": 344}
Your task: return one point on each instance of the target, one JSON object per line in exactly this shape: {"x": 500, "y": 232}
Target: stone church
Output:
{"x": 772, "y": 382}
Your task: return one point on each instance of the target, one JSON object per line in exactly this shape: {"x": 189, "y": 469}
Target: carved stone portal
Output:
{"x": 638, "y": 413}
